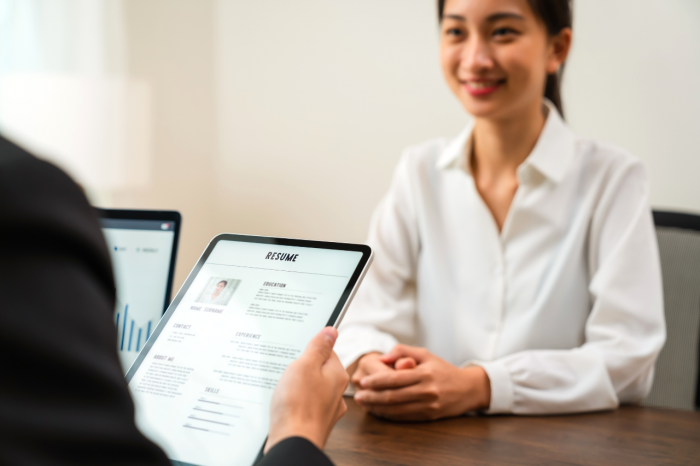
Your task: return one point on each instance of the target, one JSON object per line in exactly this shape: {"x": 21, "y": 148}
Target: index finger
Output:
{"x": 391, "y": 379}
{"x": 373, "y": 365}
{"x": 402, "y": 351}
{"x": 367, "y": 367}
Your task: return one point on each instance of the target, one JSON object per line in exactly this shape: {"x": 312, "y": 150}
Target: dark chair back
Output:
{"x": 676, "y": 383}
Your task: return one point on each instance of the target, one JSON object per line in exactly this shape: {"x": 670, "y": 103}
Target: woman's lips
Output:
{"x": 481, "y": 88}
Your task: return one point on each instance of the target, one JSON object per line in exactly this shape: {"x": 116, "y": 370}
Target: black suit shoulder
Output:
{"x": 40, "y": 203}
{"x": 63, "y": 399}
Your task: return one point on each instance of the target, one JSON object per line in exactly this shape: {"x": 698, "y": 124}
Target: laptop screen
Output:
{"x": 141, "y": 253}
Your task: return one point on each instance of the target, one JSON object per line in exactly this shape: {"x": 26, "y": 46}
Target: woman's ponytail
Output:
{"x": 552, "y": 89}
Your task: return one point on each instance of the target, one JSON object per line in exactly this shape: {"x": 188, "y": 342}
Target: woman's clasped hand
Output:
{"x": 412, "y": 384}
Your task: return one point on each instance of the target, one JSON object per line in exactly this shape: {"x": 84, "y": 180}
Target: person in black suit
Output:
{"x": 63, "y": 399}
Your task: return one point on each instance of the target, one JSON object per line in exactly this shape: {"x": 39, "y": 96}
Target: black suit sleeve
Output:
{"x": 63, "y": 398}
{"x": 295, "y": 451}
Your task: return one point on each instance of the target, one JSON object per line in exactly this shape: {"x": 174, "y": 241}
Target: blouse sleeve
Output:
{"x": 624, "y": 331}
{"x": 383, "y": 311}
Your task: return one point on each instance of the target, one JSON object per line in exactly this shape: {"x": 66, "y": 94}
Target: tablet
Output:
{"x": 202, "y": 383}
{"x": 143, "y": 248}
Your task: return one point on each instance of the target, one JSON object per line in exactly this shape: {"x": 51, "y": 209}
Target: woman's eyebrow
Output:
{"x": 504, "y": 15}
{"x": 453, "y": 16}
{"x": 491, "y": 18}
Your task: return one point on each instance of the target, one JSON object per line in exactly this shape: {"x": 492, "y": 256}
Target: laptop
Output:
{"x": 143, "y": 247}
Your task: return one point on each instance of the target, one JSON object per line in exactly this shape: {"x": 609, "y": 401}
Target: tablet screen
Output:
{"x": 203, "y": 384}
{"x": 141, "y": 252}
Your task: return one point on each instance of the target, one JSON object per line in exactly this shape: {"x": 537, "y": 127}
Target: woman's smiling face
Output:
{"x": 496, "y": 55}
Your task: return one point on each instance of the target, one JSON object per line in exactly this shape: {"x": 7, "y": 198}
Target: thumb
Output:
{"x": 320, "y": 347}
{"x": 406, "y": 362}
{"x": 403, "y": 351}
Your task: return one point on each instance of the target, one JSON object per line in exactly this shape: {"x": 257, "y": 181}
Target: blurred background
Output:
{"x": 286, "y": 118}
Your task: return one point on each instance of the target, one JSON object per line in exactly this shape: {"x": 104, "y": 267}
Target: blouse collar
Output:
{"x": 551, "y": 156}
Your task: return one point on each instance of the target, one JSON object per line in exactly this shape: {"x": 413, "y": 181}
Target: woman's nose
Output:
{"x": 476, "y": 56}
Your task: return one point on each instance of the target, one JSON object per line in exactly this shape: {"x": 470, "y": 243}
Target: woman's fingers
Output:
{"x": 411, "y": 411}
{"x": 391, "y": 379}
{"x": 369, "y": 364}
{"x": 401, "y": 351}
{"x": 408, "y": 394}
{"x": 405, "y": 363}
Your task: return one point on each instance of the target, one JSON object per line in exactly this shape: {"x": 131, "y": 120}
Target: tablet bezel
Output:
{"x": 156, "y": 215}
{"x": 334, "y": 320}
{"x": 336, "y": 316}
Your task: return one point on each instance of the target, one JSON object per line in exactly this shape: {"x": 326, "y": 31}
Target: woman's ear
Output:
{"x": 559, "y": 47}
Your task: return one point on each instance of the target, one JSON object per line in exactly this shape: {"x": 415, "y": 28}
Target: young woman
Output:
{"x": 516, "y": 265}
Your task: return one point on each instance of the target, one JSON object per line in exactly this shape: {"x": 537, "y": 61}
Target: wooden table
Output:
{"x": 631, "y": 436}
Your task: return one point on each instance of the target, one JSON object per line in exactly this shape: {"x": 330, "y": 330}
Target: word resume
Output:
{"x": 202, "y": 392}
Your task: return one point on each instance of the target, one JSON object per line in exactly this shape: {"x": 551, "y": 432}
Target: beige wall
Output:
{"x": 171, "y": 46}
{"x": 633, "y": 81}
{"x": 317, "y": 99}
{"x": 281, "y": 118}
{"x": 278, "y": 117}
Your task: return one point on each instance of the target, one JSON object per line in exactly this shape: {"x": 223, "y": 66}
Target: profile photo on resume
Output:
{"x": 218, "y": 291}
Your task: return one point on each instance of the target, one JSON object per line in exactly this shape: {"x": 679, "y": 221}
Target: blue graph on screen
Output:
{"x": 128, "y": 337}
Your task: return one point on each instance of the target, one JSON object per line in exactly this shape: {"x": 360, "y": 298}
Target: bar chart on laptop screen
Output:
{"x": 128, "y": 337}
{"x": 140, "y": 252}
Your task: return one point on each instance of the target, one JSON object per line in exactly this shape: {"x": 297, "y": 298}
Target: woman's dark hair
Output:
{"x": 556, "y": 15}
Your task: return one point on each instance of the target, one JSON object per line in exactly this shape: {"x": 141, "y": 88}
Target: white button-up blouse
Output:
{"x": 563, "y": 308}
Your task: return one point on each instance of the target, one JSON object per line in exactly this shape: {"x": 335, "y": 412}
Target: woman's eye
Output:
{"x": 455, "y": 32}
{"x": 501, "y": 32}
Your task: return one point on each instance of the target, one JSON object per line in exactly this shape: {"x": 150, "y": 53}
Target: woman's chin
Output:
{"x": 482, "y": 108}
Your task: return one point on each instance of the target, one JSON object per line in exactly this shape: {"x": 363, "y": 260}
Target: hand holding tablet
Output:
{"x": 308, "y": 399}
{"x": 203, "y": 383}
